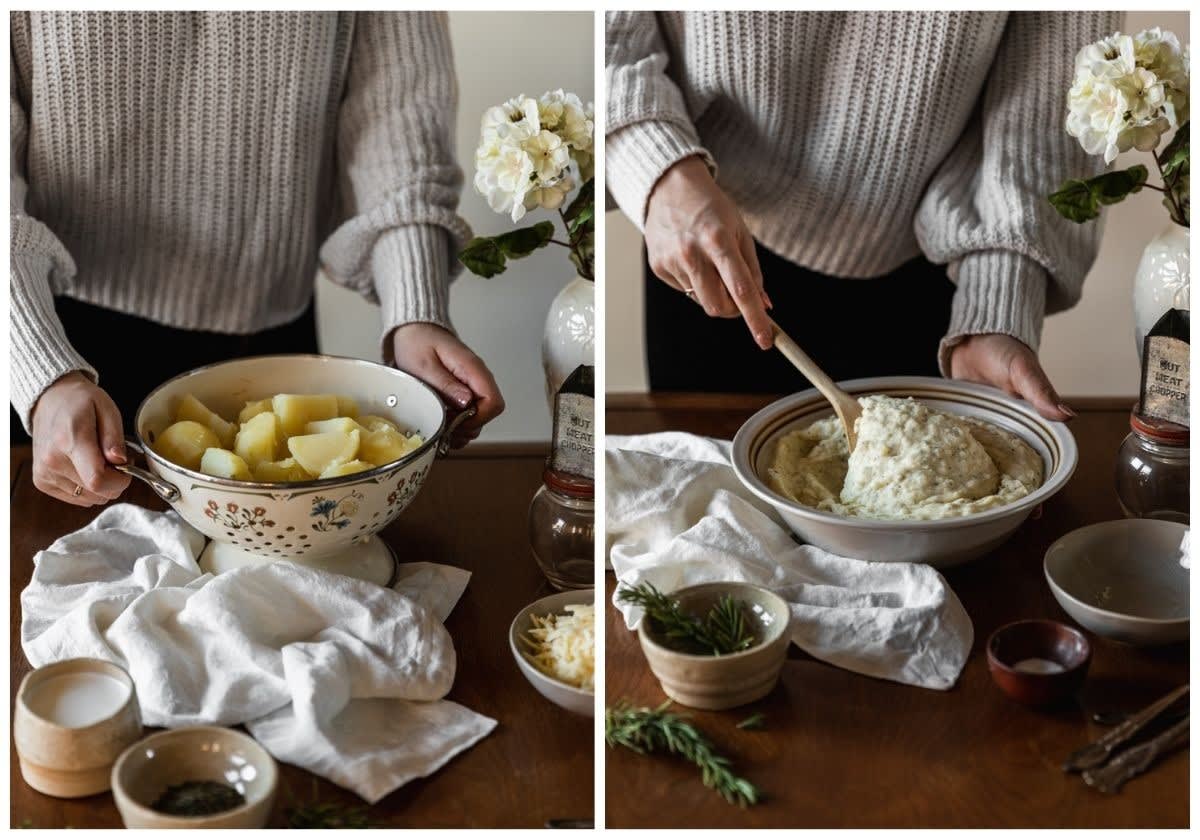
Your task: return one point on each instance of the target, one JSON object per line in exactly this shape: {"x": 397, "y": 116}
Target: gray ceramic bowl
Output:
{"x": 1123, "y": 580}
{"x": 569, "y": 697}
{"x": 722, "y": 682}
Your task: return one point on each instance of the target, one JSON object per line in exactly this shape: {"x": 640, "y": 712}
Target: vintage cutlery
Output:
{"x": 1136, "y": 760}
{"x": 1099, "y": 751}
{"x": 844, "y": 405}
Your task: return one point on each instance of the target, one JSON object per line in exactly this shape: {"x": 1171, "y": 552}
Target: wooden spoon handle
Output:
{"x": 791, "y": 350}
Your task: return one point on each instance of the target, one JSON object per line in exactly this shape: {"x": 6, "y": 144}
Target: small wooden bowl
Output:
{"x": 1011, "y": 648}
{"x": 71, "y": 761}
{"x": 194, "y": 754}
{"x": 723, "y": 682}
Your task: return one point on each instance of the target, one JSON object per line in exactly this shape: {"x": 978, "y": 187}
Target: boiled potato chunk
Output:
{"x": 347, "y": 407}
{"x": 295, "y": 411}
{"x": 348, "y": 468}
{"x": 345, "y": 425}
{"x": 183, "y": 443}
{"x": 191, "y": 408}
{"x": 256, "y": 441}
{"x": 279, "y": 472}
{"x": 253, "y": 408}
{"x": 317, "y": 453}
{"x": 225, "y": 464}
{"x": 373, "y": 423}
{"x": 386, "y": 445}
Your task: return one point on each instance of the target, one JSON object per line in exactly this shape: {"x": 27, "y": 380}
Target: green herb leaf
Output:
{"x": 327, "y": 815}
{"x": 1080, "y": 200}
{"x": 483, "y": 256}
{"x": 755, "y": 721}
{"x": 723, "y": 630}
{"x": 524, "y": 241}
{"x": 651, "y": 730}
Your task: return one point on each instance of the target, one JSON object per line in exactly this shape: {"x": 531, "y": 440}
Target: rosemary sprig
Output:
{"x": 327, "y": 815}
{"x": 645, "y": 730}
{"x": 755, "y": 721}
{"x": 724, "y": 630}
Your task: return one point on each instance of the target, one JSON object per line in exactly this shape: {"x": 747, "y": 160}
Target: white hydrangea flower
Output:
{"x": 550, "y": 155}
{"x": 550, "y": 196}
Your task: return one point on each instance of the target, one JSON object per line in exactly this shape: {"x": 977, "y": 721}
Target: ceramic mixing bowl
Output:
{"x": 942, "y": 542}
{"x": 318, "y": 523}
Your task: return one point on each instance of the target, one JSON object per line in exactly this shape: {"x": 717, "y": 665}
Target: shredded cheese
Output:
{"x": 563, "y": 646}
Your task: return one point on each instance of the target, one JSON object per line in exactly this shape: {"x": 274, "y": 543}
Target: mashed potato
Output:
{"x": 911, "y": 462}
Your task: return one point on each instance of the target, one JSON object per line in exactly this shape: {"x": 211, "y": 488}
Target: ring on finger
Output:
{"x": 78, "y": 491}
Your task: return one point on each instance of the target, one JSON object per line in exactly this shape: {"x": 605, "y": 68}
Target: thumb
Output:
{"x": 111, "y": 432}
{"x": 1031, "y": 382}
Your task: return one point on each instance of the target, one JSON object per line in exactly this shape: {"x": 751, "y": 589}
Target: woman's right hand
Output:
{"x": 698, "y": 243}
{"x": 77, "y": 432}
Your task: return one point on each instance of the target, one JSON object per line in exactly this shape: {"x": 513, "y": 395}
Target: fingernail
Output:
{"x": 763, "y": 339}
{"x": 1067, "y": 410}
{"x": 116, "y": 456}
{"x": 461, "y": 396}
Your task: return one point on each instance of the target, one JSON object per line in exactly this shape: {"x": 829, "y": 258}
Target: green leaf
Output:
{"x": 1074, "y": 201}
{"x": 755, "y": 721}
{"x": 583, "y": 201}
{"x": 583, "y": 255}
{"x": 483, "y": 256}
{"x": 1080, "y": 200}
{"x": 524, "y": 241}
{"x": 584, "y": 219}
{"x": 1177, "y": 154}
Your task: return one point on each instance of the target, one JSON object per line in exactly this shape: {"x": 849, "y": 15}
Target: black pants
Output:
{"x": 884, "y": 326}
{"x": 134, "y": 356}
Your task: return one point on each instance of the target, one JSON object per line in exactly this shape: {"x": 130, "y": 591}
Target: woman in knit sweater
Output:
{"x": 874, "y": 181}
{"x": 177, "y": 177}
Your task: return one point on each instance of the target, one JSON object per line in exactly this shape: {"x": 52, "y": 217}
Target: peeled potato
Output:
{"x": 373, "y": 423}
{"x": 281, "y": 471}
{"x": 348, "y": 468}
{"x": 386, "y": 445}
{"x": 183, "y": 443}
{"x": 253, "y": 408}
{"x": 225, "y": 464}
{"x": 317, "y": 453}
{"x": 191, "y": 408}
{"x": 256, "y": 441}
{"x": 345, "y": 425}
{"x": 296, "y": 410}
{"x": 347, "y": 407}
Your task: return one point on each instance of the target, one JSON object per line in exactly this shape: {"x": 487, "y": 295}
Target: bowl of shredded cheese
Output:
{"x": 553, "y": 641}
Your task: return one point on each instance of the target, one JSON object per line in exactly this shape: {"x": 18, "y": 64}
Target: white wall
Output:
{"x": 497, "y": 55}
{"x": 1087, "y": 351}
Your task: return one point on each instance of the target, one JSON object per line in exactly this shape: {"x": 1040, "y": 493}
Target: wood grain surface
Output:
{"x": 839, "y": 749}
{"x": 537, "y": 764}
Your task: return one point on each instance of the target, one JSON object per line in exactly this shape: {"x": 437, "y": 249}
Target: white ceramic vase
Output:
{"x": 570, "y": 337}
{"x": 1163, "y": 280}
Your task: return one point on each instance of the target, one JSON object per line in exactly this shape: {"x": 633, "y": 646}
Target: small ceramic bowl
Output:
{"x": 1038, "y": 662}
{"x": 1123, "y": 580}
{"x": 194, "y": 754}
{"x": 569, "y": 697}
{"x": 72, "y": 720}
{"x": 722, "y": 682}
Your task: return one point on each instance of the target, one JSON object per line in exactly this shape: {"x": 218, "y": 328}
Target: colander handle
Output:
{"x": 167, "y": 491}
{"x": 443, "y": 447}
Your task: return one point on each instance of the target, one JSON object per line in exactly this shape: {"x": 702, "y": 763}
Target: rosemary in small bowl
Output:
{"x": 723, "y": 630}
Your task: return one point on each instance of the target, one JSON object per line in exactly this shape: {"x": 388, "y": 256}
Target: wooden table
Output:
{"x": 537, "y": 764}
{"x": 839, "y": 749}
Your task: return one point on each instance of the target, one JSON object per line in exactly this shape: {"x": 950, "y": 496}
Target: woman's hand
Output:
{"x": 436, "y": 356}
{"x": 697, "y": 243}
{"x": 77, "y": 433}
{"x": 1008, "y": 364}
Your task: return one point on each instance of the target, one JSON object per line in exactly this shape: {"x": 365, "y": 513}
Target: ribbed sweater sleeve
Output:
{"x": 648, "y": 129}
{"x": 39, "y": 350}
{"x": 985, "y": 212}
{"x": 398, "y": 182}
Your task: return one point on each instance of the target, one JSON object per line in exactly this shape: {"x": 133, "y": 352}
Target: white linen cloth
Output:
{"x": 678, "y": 516}
{"x": 338, "y": 676}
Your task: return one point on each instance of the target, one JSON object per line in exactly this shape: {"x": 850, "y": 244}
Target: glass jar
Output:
{"x": 562, "y": 527}
{"x": 1153, "y": 468}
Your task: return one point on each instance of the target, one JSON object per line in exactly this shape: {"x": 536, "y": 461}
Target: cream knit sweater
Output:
{"x": 852, "y": 142}
{"x": 186, "y": 167}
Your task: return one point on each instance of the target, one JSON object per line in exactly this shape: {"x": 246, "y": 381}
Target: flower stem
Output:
{"x": 1176, "y": 212}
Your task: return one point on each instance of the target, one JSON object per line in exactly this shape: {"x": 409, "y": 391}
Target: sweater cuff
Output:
{"x": 636, "y": 156}
{"x": 998, "y": 292}
{"x": 40, "y": 353}
{"x": 411, "y": 267}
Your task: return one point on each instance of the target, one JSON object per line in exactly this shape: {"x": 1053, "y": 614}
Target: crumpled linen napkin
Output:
{"x": 678, "y": 516}
{"x": 335, "y": 675}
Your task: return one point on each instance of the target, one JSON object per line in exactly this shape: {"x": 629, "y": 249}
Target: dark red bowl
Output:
{"x": 1038, "y": 662}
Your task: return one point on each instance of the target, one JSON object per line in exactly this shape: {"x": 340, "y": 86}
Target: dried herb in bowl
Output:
{"x": 198, "y": 799}
{"x": 722, "y": 631}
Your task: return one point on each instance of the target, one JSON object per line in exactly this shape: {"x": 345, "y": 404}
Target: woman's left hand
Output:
{"x": 434, "y": 355}
{"x": 1007, "y": 363}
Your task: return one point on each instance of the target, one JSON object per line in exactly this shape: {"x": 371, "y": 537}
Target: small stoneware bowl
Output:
{"x": 72, "y": 720}
{"x": 1124, "y": 580}
{"x": 1038, "y": 662}
{"x": 569, "y": 697}
{"x": 722, "y": 682}
{"x": 194, "y": 754}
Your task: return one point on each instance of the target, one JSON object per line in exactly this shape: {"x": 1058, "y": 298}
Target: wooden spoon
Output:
{"x": 847, "y": 408}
